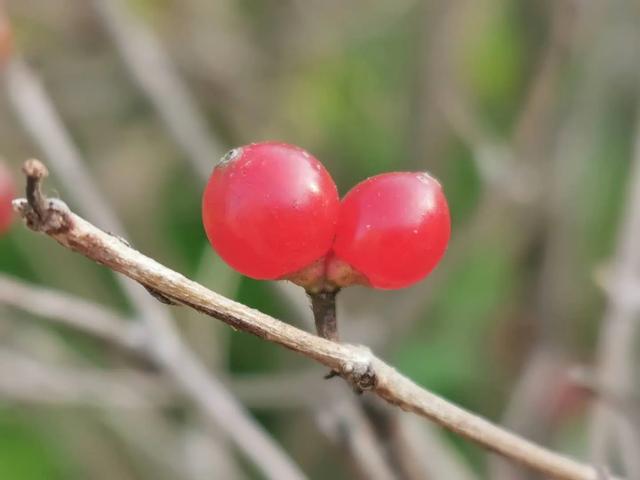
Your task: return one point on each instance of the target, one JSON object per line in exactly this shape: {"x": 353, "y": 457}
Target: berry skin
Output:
{"x": 270, "y": 211}
{"x": 7, "y": 193}
{"x": 393, "y": 230}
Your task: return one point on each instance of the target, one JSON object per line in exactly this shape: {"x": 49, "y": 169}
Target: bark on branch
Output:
{"x": 354, "y": 363}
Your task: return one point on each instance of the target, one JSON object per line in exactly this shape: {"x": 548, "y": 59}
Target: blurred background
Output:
{"x": 526, "y": 111}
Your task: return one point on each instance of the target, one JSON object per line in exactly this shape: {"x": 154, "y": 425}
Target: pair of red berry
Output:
{"x": 272, "y": 211}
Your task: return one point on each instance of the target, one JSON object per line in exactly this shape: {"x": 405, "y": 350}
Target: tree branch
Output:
{"x": 354, "y": 363}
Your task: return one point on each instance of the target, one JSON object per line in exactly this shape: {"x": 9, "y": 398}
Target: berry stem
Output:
{"x": 323, "y": 304}
{"x": 35, "y": 172}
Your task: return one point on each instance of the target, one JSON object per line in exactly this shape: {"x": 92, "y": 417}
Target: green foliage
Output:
{"x": 25, "y": 453}
{"x": 448, "y": 353}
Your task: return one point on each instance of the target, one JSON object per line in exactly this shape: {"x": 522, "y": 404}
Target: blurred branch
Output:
{"x": 507, "y": 166}
{"x": 386, "y": 424}
{"x": 73, "y": 312}
{"x": 437, "y": 458}
{"x": 28, "y": 380}
{"x": 528, "y": 408}
{"x": 40, "y": 119}
{"x": 356, "y": 364}
{"x": 616, "y": 361}
{"x": 625, "y": 403}
{"x": 155, "y": 440}
{"x": 345, "y": 423}
{"x": 152, "y": 70}
{"x": 285, "y": 391}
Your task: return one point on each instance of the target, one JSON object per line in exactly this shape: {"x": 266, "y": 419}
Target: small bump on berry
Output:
{"x": 230, "y": 156}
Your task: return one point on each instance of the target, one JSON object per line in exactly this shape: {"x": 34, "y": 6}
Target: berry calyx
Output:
{"x": 7, "y": 193}
{"x": 270, "y": 211}
{"x": 392, "y": 232}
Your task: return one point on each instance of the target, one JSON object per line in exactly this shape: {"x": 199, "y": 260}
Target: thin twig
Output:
{"x": 354, "y": 363}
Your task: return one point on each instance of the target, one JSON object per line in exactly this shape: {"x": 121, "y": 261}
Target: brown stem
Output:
{"x": 35, "y": 172}
{"x": 323, "y": 304}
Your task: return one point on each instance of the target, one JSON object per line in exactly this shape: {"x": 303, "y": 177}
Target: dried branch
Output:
{"x": 355, "y": 363}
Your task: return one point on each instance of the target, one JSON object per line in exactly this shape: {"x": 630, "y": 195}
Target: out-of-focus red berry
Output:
{"x": 393, "y": 230}
{"x": 7, "y": 192}
{"x": 6, "y": 39}
{"x": 270, "y": 210}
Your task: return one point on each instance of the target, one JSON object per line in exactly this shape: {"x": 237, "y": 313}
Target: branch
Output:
{"x": 354, "y": 363}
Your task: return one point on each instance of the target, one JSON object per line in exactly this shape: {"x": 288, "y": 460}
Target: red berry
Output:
{"x": 7, "y": 192}
{"x": 393, "y": 230}
{"x": 270, "y": 210}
